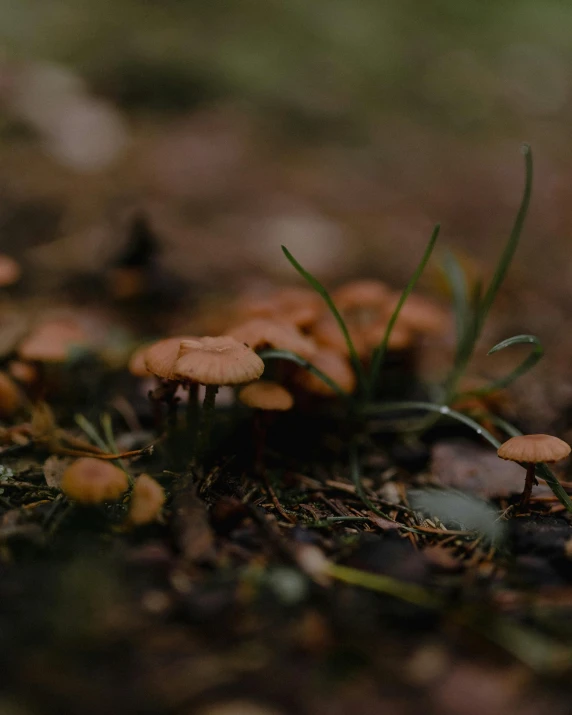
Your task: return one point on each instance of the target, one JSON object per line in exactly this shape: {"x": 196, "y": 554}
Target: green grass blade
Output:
{"x": 512, "y": 244}
{"x": 379, "y": 352}
{"x": 542, "y": 470}
{"x": 457, "y": 281}
{"x": 558, "y": 490}
{"x": 319, "y": 288}
{"x": 107, "y": 427}
{"x": 84, "y": 424}
{"x": 307, "y": 365}
{"x": 409, "y": 592}
{"x": 527, "y": 364}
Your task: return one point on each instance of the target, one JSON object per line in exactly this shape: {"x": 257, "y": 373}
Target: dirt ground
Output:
{"x": 220, "y": 606}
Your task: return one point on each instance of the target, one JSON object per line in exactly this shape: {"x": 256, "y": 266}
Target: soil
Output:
{"x": 217, "y": 607}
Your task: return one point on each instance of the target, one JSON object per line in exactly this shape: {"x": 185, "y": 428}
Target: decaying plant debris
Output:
{"x": 337, "y": 537}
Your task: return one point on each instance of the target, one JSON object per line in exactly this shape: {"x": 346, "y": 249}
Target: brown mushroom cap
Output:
{"x": 93, "y": 481}
{"x": 147, "y": 499}
{"x": 160, "y": 357}
{"x": 361, "y": 294}
{"x": 23, "y": 372}
{"x": 217, "y": 361}
{"x": 136, "y": 364}
{"x": 11, "y": 397}
{"x": 263, "y": 332}
{"x": 295, "y": 305}
{"x": 326, "y": 332}
{"x": 400, "y": 338}
{"x": 266, "y": 395}
{"x": 534, "y": 448}
{"x": 52, "y": 341}
{"x": 365, "y": 338}
{"x": 420, "y": 315}
{"x": 10, "y": 271}
{"x": 334, "y": 366}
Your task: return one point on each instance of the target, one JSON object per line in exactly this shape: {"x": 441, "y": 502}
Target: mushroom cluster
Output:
{"x": 297, "y": 319}
{"x": 287, "y": 320}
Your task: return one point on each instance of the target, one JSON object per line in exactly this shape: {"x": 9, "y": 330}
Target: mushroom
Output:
{"x": 265, "y": 397}
{"x": 214, "y": 362}
{"x": 23, "y": 372}
{"x": 93, "y": 481}
{"x": 260, "y": 333}
{"x": 159, "y": 359}
{"x": 136, "y": 364}
{"x": 10, "y": 271}
{"x": 52, "y": 341}
{"x": 530, "y": 450}
{"x": 363, "y": 306}
{"x": 147, "y": 499}
{"x": 294, "y": 305}
{"x": 421, "y": 315}
{"x": 332, "y": 364}
{"x": 361, "y": 295}
{"x": 11, "y": 397}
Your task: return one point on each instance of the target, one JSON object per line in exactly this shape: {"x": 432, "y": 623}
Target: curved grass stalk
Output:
{"x": 319, "y": 288}
{"x": 541, "y": 469}
{"x": 512, "y": 244}
{"x": 527, "y": 364}
{"x": 379, "y": 353}
{"x": 475, "y": 317}
{"x": 307, "y": 365}
{"x": 409, "y": 592}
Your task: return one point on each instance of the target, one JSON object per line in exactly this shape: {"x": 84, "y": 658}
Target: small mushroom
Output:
{"x": 11, "y": 397}
{"x": 23, "y": 372}
{"x": 266, "y": 395}
{"x": 159, "y": 359}
{"x": 530, "y": 450}
{"x": 421, "y": 315}
{"x": 214, "y": 362}
{"x": 147, "y": 499}
{"x": 266, "y": 398}
{"x": 361, "y": 295}
{"x": 10, "y": 271}
{"x": 294, "y": 305}
{"x": 136, "y": 364}
{"x": 93, "y": 481}
{"x": 260, "y": 333}
{"x": 52, "y": 341}
{"x": 332, "y": 364}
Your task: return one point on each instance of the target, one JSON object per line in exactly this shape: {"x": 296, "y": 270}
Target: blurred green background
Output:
{"x": 343, "y": 127}
{"x": 468, "y": 65}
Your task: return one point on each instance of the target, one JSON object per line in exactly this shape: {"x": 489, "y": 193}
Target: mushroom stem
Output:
{"x": 192, "y": 416}
{"x": 529, "y": 481}
{"x": 260, "y": 429}
{"x": 205, "y": 431}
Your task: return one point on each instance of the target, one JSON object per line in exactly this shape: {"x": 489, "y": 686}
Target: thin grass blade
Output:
{"x": 319, "y": 288}
{"x": 107, "y": 427}
{"x": 307, "y": 365}
{"x": 527, "y": 364}
{"x": 379, "y": 352}
{"x": 512, "y": 244}
{"x": 457, "y": 280}
{"x": 84, "y": 424}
